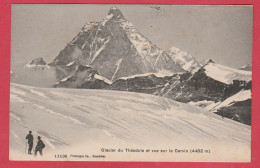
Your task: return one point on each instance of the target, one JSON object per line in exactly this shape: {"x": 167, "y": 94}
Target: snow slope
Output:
{"x": 240, "y": 96}
{"x": 225, "y": 74}
{"x": 75, "y": 121}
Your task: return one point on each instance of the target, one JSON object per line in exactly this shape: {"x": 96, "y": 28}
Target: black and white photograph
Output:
{"x": 111, "y": 82}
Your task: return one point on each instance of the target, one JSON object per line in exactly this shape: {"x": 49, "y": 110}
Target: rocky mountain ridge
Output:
{"x": 200, "y": 88}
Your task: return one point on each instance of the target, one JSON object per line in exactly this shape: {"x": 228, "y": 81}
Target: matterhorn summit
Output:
{"x": 116, "y": 13}
{"x": 115, "y": 49}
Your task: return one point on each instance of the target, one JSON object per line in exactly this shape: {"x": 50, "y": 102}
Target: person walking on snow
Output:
{"x": 29, "y": 137}
{"x": 39, "y": 147}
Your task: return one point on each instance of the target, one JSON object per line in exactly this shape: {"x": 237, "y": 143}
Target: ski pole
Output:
{"x": 33, "y": 149}
{"x": 25, "y": 146}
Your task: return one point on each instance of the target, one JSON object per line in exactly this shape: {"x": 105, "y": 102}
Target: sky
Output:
{"x": 220, "y": 33}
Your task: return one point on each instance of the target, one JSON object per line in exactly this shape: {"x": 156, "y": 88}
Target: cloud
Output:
{"x": 39, "y": 76}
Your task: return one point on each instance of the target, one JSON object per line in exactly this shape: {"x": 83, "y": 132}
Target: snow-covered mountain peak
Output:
{"x": 114, "y": 48}
{"x": 186, "y": 60}
{"x": 116, "y": 13}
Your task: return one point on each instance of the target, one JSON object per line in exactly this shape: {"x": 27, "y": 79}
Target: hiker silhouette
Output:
{"x": 29, "y": 137}
{"x": 39, "y": 147}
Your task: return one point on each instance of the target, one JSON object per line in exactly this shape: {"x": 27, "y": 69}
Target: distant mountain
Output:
{"x": 37, "y": 63}
{"x": 115, "y": 49}
{"x": 247, "y": 67}
{"x": 184, "y": 59}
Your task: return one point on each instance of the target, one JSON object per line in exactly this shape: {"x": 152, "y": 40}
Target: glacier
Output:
{"x": 80, "y": 121}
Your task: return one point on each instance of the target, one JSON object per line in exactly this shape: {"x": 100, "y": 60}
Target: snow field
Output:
{"x": 86, "y": 120}
{"x": 225, "y": 74}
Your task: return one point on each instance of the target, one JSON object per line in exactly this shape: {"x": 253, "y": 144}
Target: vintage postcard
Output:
{"x": 166, "y": 83}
